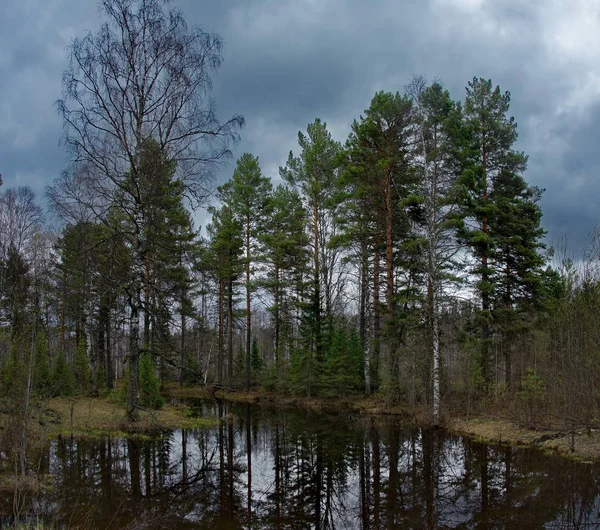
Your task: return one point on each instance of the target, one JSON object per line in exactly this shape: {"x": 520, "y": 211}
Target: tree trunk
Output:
{"x": 230, "y": 330}
{"x": 364, "y": 343}
{"x": 389, "y": 273}
{"x": 221, "y": 335}
{"x": 133, "y": 394}
{"x": 436, "y": 358}
{"x": 317, "y": 284}
{"x": 135, "y": 305}
{"x": 377, "y": 316}
{"x": 102, "y": 339}
{"x": 248, "y": 309}
{"x": 183, "y": 330}
{"x": 108, "y": 351}
{"x": 485, "y": 298}
{"x": 147, "y": 301}
{"x": 277, "y": 317}
{"x": 62, "y": 313}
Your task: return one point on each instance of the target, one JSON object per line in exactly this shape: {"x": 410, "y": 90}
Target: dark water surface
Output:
{"x": 277, "y": 469}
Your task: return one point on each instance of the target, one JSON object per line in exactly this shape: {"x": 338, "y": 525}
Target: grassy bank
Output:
{"x": 94, "y": 417}
{"x": 580, "y": 444}
{"x": 88, "y": 417}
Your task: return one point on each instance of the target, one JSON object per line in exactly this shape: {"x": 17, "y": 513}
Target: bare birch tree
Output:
{"x": 434, "y": 111}
{"x": 143, "y": 75}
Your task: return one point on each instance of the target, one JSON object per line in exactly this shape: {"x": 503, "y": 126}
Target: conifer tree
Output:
{"x": 383, "y": 138}
{"x": 286, "y": 254}
{"x": 225, "y": 258}
{"x": 313, "y": 173}
{"x": 516, "y": 258}
{"x": 489, "y": 153}
{"x": 250, "y": 199}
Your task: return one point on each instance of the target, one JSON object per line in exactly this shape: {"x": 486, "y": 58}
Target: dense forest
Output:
{"x": 407, "y": 259}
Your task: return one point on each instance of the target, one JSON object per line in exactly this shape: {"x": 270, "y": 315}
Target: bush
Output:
{"x": 533, "y": 390}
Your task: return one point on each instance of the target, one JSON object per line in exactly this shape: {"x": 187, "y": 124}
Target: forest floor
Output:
{"x": 491, "y": 427}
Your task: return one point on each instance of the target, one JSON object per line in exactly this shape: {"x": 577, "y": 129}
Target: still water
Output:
{"x": 261, "y": 468}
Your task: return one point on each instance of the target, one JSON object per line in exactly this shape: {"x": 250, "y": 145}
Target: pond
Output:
{"x": 262, "y": 468}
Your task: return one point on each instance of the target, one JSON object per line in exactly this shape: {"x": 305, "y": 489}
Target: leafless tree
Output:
{"x": 20, "y": 219}
{"x": 143, "y": 75}
{"x": 432, "y": 106}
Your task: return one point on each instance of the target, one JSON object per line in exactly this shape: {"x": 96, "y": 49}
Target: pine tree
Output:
{"x": 225, "y": 260}
{"x": 286, "y": 254}
{"x": 488, "y": 154}
{"x": 380, "y": 145}
{"x": 516, "y": 258}
{"x": 251, "y": 200}
{"x": 314, "y": 174}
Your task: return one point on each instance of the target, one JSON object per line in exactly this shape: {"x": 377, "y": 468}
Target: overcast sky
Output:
{"x": 289, "y": 61}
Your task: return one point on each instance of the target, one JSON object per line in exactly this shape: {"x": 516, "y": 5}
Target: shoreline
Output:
{"x": 94, "y": 417}
{"x": 577, "y": 444}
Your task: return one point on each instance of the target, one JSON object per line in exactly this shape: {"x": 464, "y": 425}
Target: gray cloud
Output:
{"x": 289, "y": 61}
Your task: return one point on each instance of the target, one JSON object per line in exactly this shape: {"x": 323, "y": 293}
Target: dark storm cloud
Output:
{"x": 289, "y": 61}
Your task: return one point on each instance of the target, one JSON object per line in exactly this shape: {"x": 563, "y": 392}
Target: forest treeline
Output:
{"x": 407, "y": 260}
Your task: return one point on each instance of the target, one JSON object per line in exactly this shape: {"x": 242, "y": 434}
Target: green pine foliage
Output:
{"x": 63, "y": 379}
{"x": 343, "y": 370}
{"x": 42, "y": 375}
{"x": 256, "y": 360}
{"x": 149, "y": 384}
{"x": 81, "y": 369}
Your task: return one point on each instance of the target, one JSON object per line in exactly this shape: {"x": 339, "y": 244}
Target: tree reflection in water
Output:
{"x": 289, "y": 470}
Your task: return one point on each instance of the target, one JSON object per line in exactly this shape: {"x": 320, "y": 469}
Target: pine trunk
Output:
{"x": 364, "y": 343}
{"x": 248, "y": 309}
{"x": 389, "y": 273}
{"x": 377, "y": 315}
{"x": 485, "y": 299}
{"x": 222, "y": 334}
{"x": 230, "y": 330}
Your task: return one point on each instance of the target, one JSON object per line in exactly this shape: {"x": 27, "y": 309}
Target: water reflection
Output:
{"x": 292, "y": 470}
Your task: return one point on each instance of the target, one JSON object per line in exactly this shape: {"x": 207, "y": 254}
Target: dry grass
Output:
{"x": 93, "y": 417}
{"x": 582, "y": 445}
{"x": 492, "y": 430}
{"x": 373, "y": 404}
